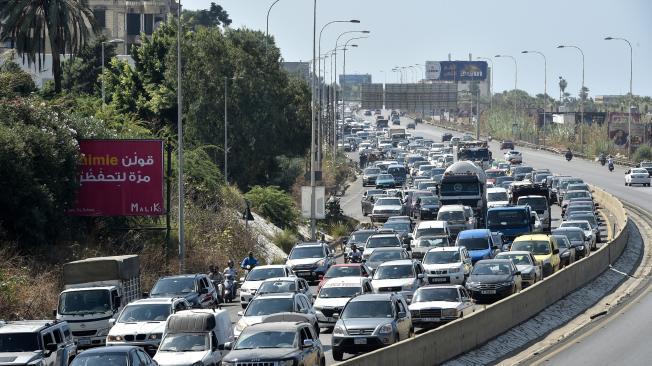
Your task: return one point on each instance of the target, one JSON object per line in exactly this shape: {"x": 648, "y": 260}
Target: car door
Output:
{"x": 403, "y": 322}
{"x": 468, "y": 306}
{"x": 204, "y": 293}
{"x": 134, "y": 360}
{"x": 313, "y": 353}
{"x": 144, "y": 358}
{"x": 49, "y": 358}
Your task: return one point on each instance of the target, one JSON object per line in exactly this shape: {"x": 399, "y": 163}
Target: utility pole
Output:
{"x": 313, "y": 220}
{"x": 182, "y": 244}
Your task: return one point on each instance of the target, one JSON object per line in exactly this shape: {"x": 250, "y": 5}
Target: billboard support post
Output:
{"x": 168, "y": 200}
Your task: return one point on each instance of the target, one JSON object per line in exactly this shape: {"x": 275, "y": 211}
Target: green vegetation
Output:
{"x": 275, "y": 205}
{"x": 643, "y": 153}
{"x": 285, "y": 240}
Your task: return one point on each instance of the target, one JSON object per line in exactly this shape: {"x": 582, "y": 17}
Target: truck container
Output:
{"x": 464, "y": 183}
{"x": 95, "y": 290}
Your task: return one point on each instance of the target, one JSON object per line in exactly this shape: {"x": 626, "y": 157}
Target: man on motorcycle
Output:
{"x": 230, "y": 270}
{"x": 249, "y": 262}
{"x": 230, "y": 275}
{"x": 569, "y": 154}
{"x": 355, "y": 256}
{"x": 610, "y": 163}
{"x": 602, "y": 158}
{"x": 217, "y": 278}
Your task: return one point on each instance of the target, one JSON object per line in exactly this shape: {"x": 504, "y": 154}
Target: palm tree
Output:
{"x": 65, "y": 24}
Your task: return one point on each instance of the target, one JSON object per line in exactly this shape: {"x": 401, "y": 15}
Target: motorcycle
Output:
{"x": 219, "y": 287}
{"x": 569, "y": 157}
{"x": 603, "y": 161}
{"x": 611, "y": 167}
{"x": 489, "y": 138}
{"x": 229, "y": 288}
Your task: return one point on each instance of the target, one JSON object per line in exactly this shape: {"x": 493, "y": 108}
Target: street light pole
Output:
{"x": 545, "y": 90}
{"x": 581, "y": 91}
{"x": 515, "y": 82}
{"x": 313, "y": 220}
{"x": 182, "y": 244}
{"x": 491, "y": 81}
{"x": 113, "y": 41}
{"x": 344, "y": 75}
{"x": 631, "y": 95}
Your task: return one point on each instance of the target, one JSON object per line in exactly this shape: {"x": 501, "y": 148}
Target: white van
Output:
{"x": 194, "y": 337}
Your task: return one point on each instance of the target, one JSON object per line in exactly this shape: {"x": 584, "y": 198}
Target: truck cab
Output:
{"x": 511, "y": 221}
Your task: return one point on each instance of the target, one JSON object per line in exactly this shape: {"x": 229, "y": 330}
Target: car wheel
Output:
{"x": 411, "y": 333}
{"x": 338, "y": 355}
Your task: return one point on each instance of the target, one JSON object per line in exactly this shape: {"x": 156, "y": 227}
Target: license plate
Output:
{"x": 303, "y": 273}
{"x": 438, "y": 279}
{"x": 84, "y": 341}
{"x": 488, "y": 292}
{"x": 359, "y": 340}
{"x": 430, "y": 319}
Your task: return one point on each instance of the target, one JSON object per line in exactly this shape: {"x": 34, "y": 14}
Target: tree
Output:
{"x": 82, "y": 73}
{"x": 29, "y": 24}
{"x": 14, "y": 81}
{"x": 274, "y": 205}
{"x": 211, "y": 17}
{"x": 562, "y": 87}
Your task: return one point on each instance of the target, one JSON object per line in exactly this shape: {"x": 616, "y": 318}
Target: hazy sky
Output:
{"x": 407, "y": 32}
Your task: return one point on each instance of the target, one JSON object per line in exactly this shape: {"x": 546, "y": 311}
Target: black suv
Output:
{"x": 198, "y": 289}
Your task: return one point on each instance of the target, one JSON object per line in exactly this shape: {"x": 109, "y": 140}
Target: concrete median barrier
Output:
{"x": 441, "y": 344}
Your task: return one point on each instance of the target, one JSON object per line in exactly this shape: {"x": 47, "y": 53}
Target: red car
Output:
{"x": 344, "y": 270}
{"x": 507, "y": 144}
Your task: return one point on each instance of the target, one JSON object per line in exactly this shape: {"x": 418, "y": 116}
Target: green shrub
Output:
{"x": 273, "y": 204}
{"x": 339, "y": 231}
{"x": 643, "y": 153}
{"x": 285, "y": 240}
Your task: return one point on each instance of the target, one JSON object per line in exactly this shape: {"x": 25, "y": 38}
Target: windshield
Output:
{"x": 474, "y": 154}
{"x": 343, "y": 271}
{"x": 400, "y": 227}
{"x": 385, "y": 255}
{"x": 473, "y": 243}
{"x": 390, "y": 272}
{"x": 388, "y": 202}
{"x": 500, "y": 180}
{"x": 537, "y": 203}
{"x": 588, "y": 217}
{"x": 458, "y": 188}
{"x": 84, "y": 302}
{"x": 360, "y": 237}
{"x": 103, "y": 359}
{"x": 145, "y": 313}
{"x": 562, "y": 241}
{"x": 572, "y": 235}
{"x": 385, "y": 177}
{"x": 372, "y": 171}
{"x": 277, "y": 286}
{"x": 499, "y": 218}
{"x": 432, "y": 231}
{"x": 368, "y": 309}
{"x": 333, "y": 292}
{"x": 432, "y": 242}
{"x": 580, "y": 194}
{"x": 442, "y": 257}
{"x": 495, "y": 173}
{"x": 185, "y": 342}
{"x": 307, "y": 252}
{"x": 261, "y": 274}
{"x": 536, "y": 247}
{"x": 497, "y": 196}
{"x": 450, "y": 216}
{"x": 266, "y": 339}
{"x": 265, "y": 306}
{"x": 383, "y": 241}
{"x": 426, "y": 200}
{"x": 436, "y": 294}
{"x": 517, "y": 259}
{"x": 581, "y": 225}
{"x": 19, "y": 342}
{"x": 490, "y": 269}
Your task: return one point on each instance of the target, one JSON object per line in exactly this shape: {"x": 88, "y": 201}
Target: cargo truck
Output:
{"x": 96, "y": 290}
{"x": 464, "y": 183}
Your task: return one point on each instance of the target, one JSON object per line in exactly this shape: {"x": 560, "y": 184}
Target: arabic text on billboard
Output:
{"x": 456, "y": 70}
{"x": 120, "y": 178}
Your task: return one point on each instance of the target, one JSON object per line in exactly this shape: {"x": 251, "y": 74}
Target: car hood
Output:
{"x": 258, "y": 354}
{"x": 137, "y": 327}
{"x": 294, "y": 262}
{"x": 479, "y": 254}
{"x": 19, "y": 358}
{"x": 489, "y": 278}
{"x": 434, "y": 304}
{"x": 497, "y": 204}
{"x": 576, "y": 243}
{"x": 363, "y": 323}
{"x": 251, "y": 285}
{"x": 252, "y": 319}
{"x": 179, "y": 358}
{"x": 525, "y": 268}
{"x": 392, "y": 283}
{"x": 388, "y": 207}
{"x": 335, "y": 302}
{"x": 432, "y": 267}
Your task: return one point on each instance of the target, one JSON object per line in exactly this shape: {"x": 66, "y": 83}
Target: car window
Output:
{"x": 66, "y": 333}
{"x": 47, "y": 338}
{"x": 306, "y": 334}
{"x": 144, "y": 358}
{"x": 399, "y": 306}
{"x": 134, "y": 360}
{"x": 58, "y": 337}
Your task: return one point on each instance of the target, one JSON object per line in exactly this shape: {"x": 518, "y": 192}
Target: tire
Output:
{"x": 338, "y": 355}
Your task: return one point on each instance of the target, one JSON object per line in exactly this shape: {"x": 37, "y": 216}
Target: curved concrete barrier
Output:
{"x": 441, "y": 344}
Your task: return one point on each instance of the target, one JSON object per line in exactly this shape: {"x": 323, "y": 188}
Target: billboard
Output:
{"x": 421, "y": 97}
{"x": 456, "y": 70}
{"x": 619, "y": 130}
{"x": 355, "y": 79}
{"x": 306, "y": 202}
{"x": 372, "y": 96}
{"x": 120, "y": 178}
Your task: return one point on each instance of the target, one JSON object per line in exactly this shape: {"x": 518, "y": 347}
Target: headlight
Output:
{"x": 198, "y": 363}
{"x": 566, "y": 254}
{"x": 580, "y": 247}
{"x": 408, "y": 286}
{"x": 36, "y": 363}
{"x": 471, "y": 284}
{"x": 286, "y": 363}
{"x": 454, "y": 270}
{"x": 102, "y": 332}
{"x": 240, "y": 326}
{"x": 338, "y": 331}
{"x": 505, "y": 284}
{"x": 115, "y": 338}
{"x": 387, "y": 328}
{"x": 155, "y": 336}
{"x": 320, "y": 263}
{"x": 449, "y": 312}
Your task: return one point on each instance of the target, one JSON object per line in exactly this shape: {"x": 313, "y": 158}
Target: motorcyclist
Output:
{"x": 217, "y": 278}
{"x": 569, "y": 154}
{"x": 230, "y": 269}
{"x": 231, "y": 272}
{"x": 355, "y": 254}
{"x": 610, "y": 162}
{"x": 249, "y": 262}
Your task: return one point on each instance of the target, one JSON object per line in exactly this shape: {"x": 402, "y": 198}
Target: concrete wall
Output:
{"x": 450, "y": 340}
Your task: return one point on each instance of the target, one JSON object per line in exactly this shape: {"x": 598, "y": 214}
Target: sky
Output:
{"x": 408, "y": 32}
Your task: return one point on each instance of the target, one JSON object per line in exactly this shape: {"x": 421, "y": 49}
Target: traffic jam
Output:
{"x": 448, "y": 228}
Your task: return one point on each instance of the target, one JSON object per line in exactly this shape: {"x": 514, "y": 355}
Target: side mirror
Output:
{"x": 240, "y": 313}
{"x": 111, "y": 322}
{"x": 51, "y": 347}
{"x": 420, "y": 276}
{"x": 555, "y": 251}
{"x": 402, "y": 314}
{"x": 227, "y": 346}
{"x": 308, "y": 343}
{"x": 336, "y": 315}
{"x": 242, "y": 279}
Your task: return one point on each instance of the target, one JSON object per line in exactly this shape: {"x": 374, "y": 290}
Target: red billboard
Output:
{"x": 120, "y": 178}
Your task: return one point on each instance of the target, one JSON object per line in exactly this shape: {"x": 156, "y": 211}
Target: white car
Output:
{"x": 403, "y": 276}
{"x": 265, "y": 305}
{"x": 285, "y": 284}
{"x": 497, "y": 197}
{"x": 142, "y": 322}
{"x": 433, "y": 305}
{"x": 334, "y": 295}
{"x": 637, "y": 176}
{"x": 514, "y": 157}
{"x": 386, "y": 207}
{"x": 447, "y": 265}
{"x": 256, "y": 276}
